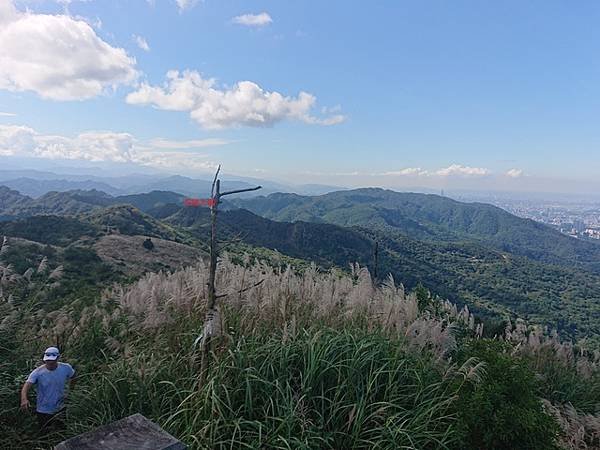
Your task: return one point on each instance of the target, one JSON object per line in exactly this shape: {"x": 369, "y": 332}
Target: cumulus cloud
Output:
{"x": 105, "y": 146}
{"x": 457, "y": 169}
{"x": 514, "y": 173}
{"x": 141, "y": 42}
{"x": 244, "y": 104}
{"x": 253, "y": 20}
{"x": 18, "y": 140}
{"x": 57, "y": 56}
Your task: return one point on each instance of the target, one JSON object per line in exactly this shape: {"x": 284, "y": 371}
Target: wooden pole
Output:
{"x": 214, "y": 252}
{"x": 216, "y": 195}
{"x": 376, "y": 261}
{"x": 212, "y": 291}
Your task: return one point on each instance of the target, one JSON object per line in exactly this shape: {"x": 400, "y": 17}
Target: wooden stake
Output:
{"x": 211, "y": 315}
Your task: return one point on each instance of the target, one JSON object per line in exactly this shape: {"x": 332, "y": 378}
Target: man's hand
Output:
{"x": 24, "y": 396}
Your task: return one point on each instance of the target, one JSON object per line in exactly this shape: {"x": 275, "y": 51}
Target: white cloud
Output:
{"x": 16, "y": 140}
{"x": 253, "y": 20}
{"x": 90, "y": 146}
{"x": 7, "y": 114}
{"x": 57, "y": 56}
{"x": 244, "y": 104}
{"x": 106, "y": 146}
{"x": 410, "y": 171}
{"x": 514, "y": 173}
{"x": 331, "y": 110}
{"x": 182, "y": 161}
{"x": 453, "y": 170}
{"x": 199, "y": 143}
{"x": 68, "y": 2}
{"x": 457, "y": 169}
{"x": 141, "y": 42}
{"x": 327, "y": 121}
{"x": 185, "y": 4}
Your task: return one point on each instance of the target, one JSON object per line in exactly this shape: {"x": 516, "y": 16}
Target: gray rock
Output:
{"x": 131, "y": 433}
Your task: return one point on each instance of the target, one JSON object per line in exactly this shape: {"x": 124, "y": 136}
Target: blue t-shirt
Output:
{"x": 51, "y": 386}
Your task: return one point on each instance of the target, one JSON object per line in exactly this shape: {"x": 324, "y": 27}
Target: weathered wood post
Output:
{"x": 211, "y": 313}
{"x": 212, "y": 291}
{"x": 376, "y": 261}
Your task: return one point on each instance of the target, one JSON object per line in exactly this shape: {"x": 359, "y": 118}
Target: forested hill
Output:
{"x": 324, "y": 244}
{"x": 14, "y": 205}
{"x": 432, "y": 218}
{"x": 494, "y": 283}
{"x": 472, "y": 254}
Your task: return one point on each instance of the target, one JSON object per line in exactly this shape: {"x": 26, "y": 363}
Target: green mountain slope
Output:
{"x": 496, "y": 283}
{"x": 150, "y": 200}
{"x": 57, "y": 203}
{"x": 87, "y": 256}
{"x": 492, "y": 282}
{"x": 434, "y": 218}
{"x": 325, "y": 244}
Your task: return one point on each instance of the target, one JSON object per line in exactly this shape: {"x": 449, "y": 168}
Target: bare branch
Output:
{"x": 212, "y": 191}
{"x": 238, "y": 191}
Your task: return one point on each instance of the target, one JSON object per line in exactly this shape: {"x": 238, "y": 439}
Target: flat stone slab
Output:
{"x": 131, "y": 433}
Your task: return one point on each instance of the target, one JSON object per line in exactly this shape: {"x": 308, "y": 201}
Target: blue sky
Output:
{"x": 436, "y": 94}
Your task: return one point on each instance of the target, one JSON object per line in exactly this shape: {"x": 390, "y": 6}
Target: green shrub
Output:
{"x": 504, "y": 410}
{"x": 562, "y": 382}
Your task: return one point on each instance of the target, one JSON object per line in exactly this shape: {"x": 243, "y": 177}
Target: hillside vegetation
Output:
{"x": 311, "y": 352}
{"x": 427, "y": 216}
{"x": 500, "y": 265}
{"x": 303, "y": 360}
{"x": 474, "y": 253}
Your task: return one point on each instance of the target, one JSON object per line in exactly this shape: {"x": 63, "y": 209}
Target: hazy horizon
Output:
{"x": 109, "y": 173}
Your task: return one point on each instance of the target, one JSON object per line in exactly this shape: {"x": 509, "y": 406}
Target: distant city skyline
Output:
{"x": 475, "y": 96}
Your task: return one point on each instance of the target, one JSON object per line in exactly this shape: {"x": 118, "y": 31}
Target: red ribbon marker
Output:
{"x": 196, "y": 202}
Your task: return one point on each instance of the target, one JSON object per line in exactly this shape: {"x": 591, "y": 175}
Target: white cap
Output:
{"x": 51, "y": 354}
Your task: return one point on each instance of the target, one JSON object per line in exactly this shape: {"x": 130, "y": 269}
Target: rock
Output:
{"x": 131, "y": 433}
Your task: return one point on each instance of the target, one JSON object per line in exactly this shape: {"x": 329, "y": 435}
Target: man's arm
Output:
{"x": 24, "y": 393}
{"x": 72, "y": 377}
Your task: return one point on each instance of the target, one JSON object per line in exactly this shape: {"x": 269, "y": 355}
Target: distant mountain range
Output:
{"x": 14, "y": 205}
{"x": 37, "y": 183}
{"x": 477, "y": 254}
{"x": 37, "y": 188}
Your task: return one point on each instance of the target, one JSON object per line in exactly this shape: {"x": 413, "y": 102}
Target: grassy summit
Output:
{"x": 305, "y": 360}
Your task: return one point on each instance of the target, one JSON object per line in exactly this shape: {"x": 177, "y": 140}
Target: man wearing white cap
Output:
{"x": 50, "y": 380}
